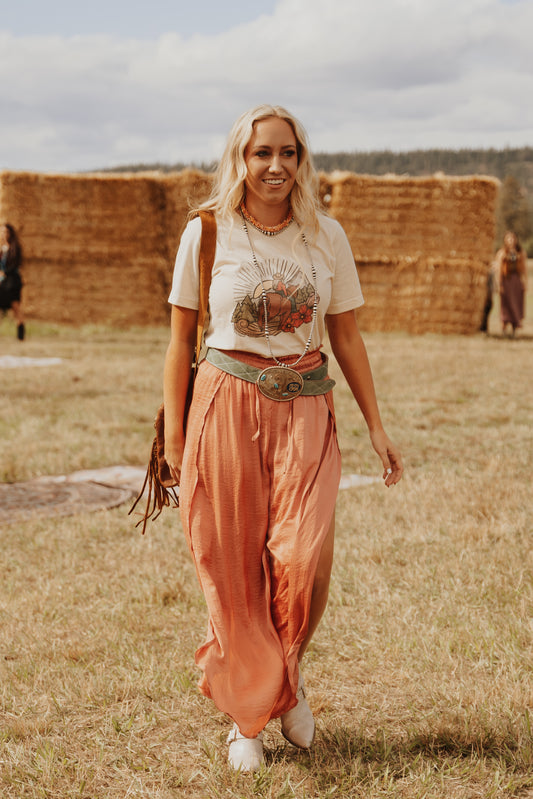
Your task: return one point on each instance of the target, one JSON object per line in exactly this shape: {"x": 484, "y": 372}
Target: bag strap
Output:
{"x": 208, "y": 245}
{"x": 159, "y": 494}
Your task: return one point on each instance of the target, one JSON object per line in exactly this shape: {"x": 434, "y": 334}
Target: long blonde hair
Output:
{"x": 228, "y": 188}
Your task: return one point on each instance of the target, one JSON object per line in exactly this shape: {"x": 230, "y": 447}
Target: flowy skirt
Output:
{"x": 258, "y": 489}
{"x": 512, "y": 300}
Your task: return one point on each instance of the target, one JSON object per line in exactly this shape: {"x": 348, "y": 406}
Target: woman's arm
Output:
{"x": 350, "y": 351}
{"x": 500, "y": 258}
{"x": 523, "y": 269}
{"x": 176, "y": 381}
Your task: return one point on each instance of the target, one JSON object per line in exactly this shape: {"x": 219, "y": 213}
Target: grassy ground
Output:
{"x": 420, "y": 676}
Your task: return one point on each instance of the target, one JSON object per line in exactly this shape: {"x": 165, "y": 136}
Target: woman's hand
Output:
{"x": 390, "y": 457}
{"x": 174, "y": 456}
{"x": 350, "y": 352}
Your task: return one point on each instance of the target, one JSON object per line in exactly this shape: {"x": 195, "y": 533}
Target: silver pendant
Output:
{"x": 280, "y": 383}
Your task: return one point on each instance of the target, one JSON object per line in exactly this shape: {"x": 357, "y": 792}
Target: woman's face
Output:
{"x": 510, "y": 241}
{"x": 4, "y": 235}
{"x": 271, "y": 159}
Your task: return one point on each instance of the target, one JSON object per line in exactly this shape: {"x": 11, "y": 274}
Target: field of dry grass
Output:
{"x": 420, "y": 676}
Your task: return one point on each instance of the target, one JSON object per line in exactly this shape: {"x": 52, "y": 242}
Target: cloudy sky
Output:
{"x": 111, "y": 82}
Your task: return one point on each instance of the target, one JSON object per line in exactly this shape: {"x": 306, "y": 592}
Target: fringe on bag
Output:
{"x": 162, "y": 491}
{"x": 162, "y": 487}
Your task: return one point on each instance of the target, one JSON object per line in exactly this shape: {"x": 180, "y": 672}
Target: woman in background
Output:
{"x": 512, "y": 280}
{"x": 10, "y": 278}
{"x": 260, "y": 466}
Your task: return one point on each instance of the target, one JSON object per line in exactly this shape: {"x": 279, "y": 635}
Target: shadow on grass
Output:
{"x": 345, "y": 756}
{"x": 507, "y": 337}
{"x": 447, "y": 741}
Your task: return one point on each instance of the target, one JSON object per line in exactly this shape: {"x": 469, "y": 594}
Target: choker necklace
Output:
{"x": 282, "y": 382}
{"x": 264, "y": 229}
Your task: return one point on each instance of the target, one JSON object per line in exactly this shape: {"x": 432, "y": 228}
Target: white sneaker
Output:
{"x": 245, "y": 754}
{"x": 298, "y": 724}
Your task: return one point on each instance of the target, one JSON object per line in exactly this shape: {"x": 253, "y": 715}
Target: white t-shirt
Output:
{"x": 285, "y": 274}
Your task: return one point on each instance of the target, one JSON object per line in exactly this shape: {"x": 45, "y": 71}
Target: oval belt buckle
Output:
{"x": 280, "y": 383}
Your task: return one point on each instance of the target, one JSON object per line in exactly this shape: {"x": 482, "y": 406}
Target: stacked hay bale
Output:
{"x": 422, "y": 246}
{"x": 101, "y": 248}
{"x": 183, "y": 191}
{"x": 94, "y": 247}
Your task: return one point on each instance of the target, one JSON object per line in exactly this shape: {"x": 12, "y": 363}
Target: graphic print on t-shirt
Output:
{"x": 288, "y": 297}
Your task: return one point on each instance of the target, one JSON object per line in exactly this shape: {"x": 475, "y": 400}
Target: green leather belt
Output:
{"x": 279, "y": 383}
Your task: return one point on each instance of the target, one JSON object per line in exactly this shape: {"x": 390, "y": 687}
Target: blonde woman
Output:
{"x": 260, "y": 466}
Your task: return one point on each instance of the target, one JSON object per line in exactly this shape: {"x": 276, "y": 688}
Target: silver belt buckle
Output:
{"x": 280, "y": 383}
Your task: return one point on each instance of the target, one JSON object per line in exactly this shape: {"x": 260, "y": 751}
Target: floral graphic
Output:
{"x": 288, "y": 296}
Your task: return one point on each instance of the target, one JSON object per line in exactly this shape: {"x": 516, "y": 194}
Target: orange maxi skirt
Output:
{"x": 258, "y": 489}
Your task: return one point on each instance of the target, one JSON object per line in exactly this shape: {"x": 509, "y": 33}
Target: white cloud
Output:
{"x": 390, "y": 74}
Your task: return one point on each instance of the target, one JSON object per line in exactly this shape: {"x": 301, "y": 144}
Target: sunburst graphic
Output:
{"x": 289, "y": 298}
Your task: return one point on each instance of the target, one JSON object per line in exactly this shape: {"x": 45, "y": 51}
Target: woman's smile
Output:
{"x": 271, "y": 159}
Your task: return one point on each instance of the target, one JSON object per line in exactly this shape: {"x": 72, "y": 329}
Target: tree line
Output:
{"x": 513, "y": 166}
{"x": 516, "y": 162}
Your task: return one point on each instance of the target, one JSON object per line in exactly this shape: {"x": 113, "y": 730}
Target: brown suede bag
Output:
{"x": 161, "y": 486}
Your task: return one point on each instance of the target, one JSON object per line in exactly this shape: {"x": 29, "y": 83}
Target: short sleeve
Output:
{"x": 185, "y": 280}
{"x": 346, "y": 291}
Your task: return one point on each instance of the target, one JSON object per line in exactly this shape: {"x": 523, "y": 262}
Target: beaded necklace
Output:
{"x": 282, "y": 382}
{"x": 264, "y": 229}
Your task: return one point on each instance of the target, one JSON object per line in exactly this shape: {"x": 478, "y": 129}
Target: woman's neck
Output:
{"x": 268, "y": 230}
{"x": 268, "y": 215}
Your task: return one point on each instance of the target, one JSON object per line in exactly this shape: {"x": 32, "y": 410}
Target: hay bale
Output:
{"x": 422, "y": 246}
{"x": 101, "y": 248}
{"x": 183, "y": 191}
{"x": 98, "y": 248}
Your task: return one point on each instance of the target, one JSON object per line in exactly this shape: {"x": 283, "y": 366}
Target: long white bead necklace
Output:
{"x": 282, "y": 382}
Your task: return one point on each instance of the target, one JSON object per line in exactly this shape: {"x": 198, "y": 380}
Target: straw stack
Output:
{"x": 101, "y": 248}
{"x": 98, "y": 248}
{"x": 422, "y": 246}
{"x": 183, "y": 191}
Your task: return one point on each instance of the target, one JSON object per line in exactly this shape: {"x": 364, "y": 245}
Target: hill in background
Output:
{"x": 514, "y": 162}
{"x": 513, "y": 166}
{"x": 510, "y": 162}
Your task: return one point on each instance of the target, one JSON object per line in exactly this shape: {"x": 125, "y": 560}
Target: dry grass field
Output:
{"x": 421, "y": 673}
